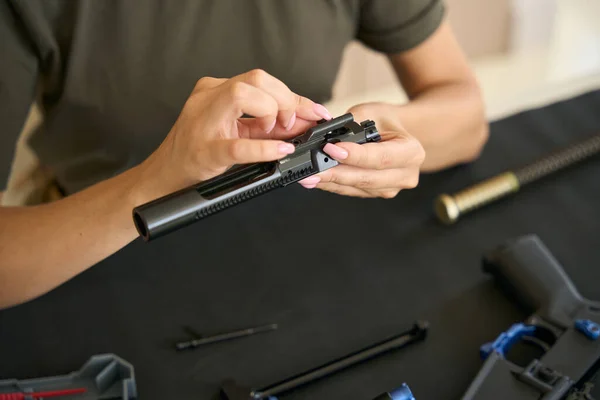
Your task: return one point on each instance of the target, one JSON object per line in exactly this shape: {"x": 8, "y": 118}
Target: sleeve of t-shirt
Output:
{"x": 18, "y": 78}
{"x": 393, "y": 26}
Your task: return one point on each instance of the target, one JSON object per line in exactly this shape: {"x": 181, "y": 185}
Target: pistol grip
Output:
{"x": 525, "y": 268}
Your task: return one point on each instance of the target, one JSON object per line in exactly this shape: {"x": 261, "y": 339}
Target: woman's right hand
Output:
{"x": 78, "y": 231}
{"x": 210, "y": 134}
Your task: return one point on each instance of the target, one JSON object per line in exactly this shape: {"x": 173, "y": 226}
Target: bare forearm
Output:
{"x": 446, "y": 110}
{"x": 449, "y": 121}
{"x": 43, "y": 246}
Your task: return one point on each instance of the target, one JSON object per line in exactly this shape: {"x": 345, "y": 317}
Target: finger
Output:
{"x": 342, "y": 190}
{"x": 314, "y": 182}
{"x": 254, "y": 130}
{"x": 290, "y": 105}
{"x": 401, "y": 151}
{"x": 368, "y": 179}
{"x": 310, "y": 181}
{"x": 208, "y": 82}
{"x": 301, "y": 126}
{"x": 243, "y": 151}
{"x": 388, "y": 193}
{"x": 247, "y": 99}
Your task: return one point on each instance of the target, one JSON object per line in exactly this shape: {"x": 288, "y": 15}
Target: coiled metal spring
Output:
{"x": 449, "y": 208}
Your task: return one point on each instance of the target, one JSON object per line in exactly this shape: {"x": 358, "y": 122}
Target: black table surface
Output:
{"x": 336, "y": 273}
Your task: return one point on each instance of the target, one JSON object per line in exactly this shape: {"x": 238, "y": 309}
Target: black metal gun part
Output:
{"x": 244, "y": 182}
{"x": 232, "y": 390}
{"x": 563, "y": 324}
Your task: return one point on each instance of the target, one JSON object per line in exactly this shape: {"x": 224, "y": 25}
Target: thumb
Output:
{"x": 243, "y": 151}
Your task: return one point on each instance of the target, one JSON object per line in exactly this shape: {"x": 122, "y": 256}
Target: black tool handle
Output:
{"x": 527, "y": 270}
{"x": 417, "y": 333}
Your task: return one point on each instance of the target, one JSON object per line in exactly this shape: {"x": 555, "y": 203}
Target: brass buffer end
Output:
{"x": 449, "y": 208}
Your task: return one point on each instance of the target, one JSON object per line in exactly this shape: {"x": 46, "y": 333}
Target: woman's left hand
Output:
{"x": 379, "y": 169}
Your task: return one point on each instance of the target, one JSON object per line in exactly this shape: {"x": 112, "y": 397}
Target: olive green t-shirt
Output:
{"x": 112, "y": 75}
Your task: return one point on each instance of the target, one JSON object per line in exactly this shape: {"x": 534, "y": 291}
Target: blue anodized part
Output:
{"x": 402, "y": 393}
{"x": 588, "y": 328}
{"x": 506, "y": 339}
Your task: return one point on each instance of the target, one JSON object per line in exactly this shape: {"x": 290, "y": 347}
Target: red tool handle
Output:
{"x": 40, "y": 395}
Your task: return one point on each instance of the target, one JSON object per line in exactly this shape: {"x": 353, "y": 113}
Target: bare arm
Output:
{"x": 43, "y": 246}
{"x": 446, "y": 111}
{"x": 442, "y": 125}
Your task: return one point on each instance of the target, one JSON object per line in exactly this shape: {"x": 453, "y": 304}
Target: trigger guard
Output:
{"x": 506, "y": 340}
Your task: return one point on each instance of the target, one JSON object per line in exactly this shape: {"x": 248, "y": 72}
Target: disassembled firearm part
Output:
{"x": 564, "y": 325}
{"x": 232, "y": 391}
{"x": 449, "y": 208}
{"x": 244, "y": 182}
{"x": 200, "y": 341}
{"x": 401, "y": 393}
{"x": 102, "y": 377}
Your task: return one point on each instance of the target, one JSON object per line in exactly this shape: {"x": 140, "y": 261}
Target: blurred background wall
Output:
{"x": 526, "y": 42}
{"x": 483, "y": 28}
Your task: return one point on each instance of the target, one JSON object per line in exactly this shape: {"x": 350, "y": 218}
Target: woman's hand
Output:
{"x": 210, "y": 134}
{"x": 78, "y": 231}
{"x": 373, "y": 169}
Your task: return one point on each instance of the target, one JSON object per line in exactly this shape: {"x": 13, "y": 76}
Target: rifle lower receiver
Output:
{"x": 244, "y": 182}
{"x": 563, "y": 326}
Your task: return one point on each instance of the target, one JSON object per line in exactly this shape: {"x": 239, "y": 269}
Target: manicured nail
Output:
{"x": 311, "y": 180}
{"x": 335, "y": 151}
{"x": 270, "y": 128}
{"x": 322, "y": 111}
{"x": 291, "y": 123}
{"x": 309, "y": 186}
{"x": 286, "y": 148}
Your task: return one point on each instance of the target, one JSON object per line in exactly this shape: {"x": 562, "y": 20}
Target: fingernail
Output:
{"x": 322, "y": 111}
{"x": 286, "y": 148}
{"x": 290, "y": 124}
{"x": 309, "y": 186}
{"x": 271, "y": 126}
{"x": 335, "y": 151}
{"x": 311, "y": 180}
